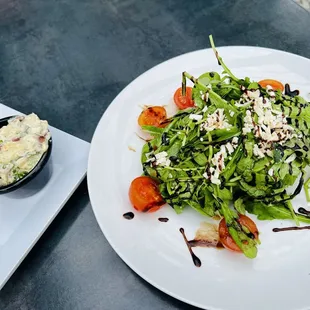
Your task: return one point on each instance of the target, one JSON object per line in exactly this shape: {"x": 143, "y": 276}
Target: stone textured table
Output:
{"x": 66, "y": 60}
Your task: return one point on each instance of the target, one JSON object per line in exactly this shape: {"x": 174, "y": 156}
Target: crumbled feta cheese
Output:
{"x": 205, "y": 109}
{"x": 230, "y": 148}
{"x": 290, "y": 158}
{"x": 257, "y": 151}
{"x": 161, "y": 155}
{"x": 161, "y": 159}
{"x": 204, "y": 96}
{"x": 270, "y": 91}
{"x": 231, "y": 113}
{"x": 150, "y": 157}
{"x": 235, "y": 140}
{"x": 271, "y": 172}
{"x": 248, "y": 123}
{"x": 255, "y": 94}
{"x": 205, "y": 175}
{"x": 271, "y": 125}
{"x": 215, "y": 180}
{"x": 216, "y": 120}
{"x": 218, "y": 161}
{"x": 195, "y": 117}
{"x": 201, "y": 139}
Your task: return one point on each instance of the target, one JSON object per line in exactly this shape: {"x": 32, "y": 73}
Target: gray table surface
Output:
{"x": 66, "y": 60}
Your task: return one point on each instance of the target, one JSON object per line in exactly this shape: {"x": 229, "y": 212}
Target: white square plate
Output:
{"x": 26, "y": 212}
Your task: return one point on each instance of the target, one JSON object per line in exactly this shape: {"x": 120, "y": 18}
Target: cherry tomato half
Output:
{"x": 225, "y": 237}
{"x": 153, "y": 116}
{"x": 276, "y": 85}
{"x": 183, "y": 102}
{"x": 144, "y": 194}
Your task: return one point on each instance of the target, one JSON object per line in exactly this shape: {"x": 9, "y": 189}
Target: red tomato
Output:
{"x": 225, "y": 237}
{"x": 153, "y": 116}
{"x": 276, "y": 85}
{"x": 144, "y": 194}
{"x": 183, "y": 102}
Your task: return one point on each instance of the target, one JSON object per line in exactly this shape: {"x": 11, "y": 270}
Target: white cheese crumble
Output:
{"x": 204, "y": 96}
{"x": 271, "y": 172}
{"x": 216, "y": 120}
{"x": 271, "y": 125}
{"x": 161, "y": 159}
{"x": 195, "y": 117}
{"x": 230, "y": 148}
{"x": 205, "y": 109}
{"x": 235, "y": 140}
{"x": 258, "y": 152}
{"x": 218, "y": 162}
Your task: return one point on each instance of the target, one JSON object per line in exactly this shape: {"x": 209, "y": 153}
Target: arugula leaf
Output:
{"x": 155, "y": 131}
{"x": 239, "y": 206}
{"x": 273, "y": 211}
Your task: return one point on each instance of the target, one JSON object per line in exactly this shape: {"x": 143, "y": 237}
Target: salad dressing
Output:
{"x": 304, "y": 211}
{"x": 129, "y": 215}
{"x": 206, "y": 236}
{"x": 196, "y": 260}
{"x": 289, "y": 92}
{"x": 290, "y": 228}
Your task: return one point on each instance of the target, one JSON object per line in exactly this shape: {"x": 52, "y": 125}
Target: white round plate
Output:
{"x": 278, "y": 278}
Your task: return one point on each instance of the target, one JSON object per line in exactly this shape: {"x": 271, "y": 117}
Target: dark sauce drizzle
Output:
{"x": 196, "y": 260}
{"x": 128, "y": 215}
{"x": 163, "y": 219}
{"x": 304, "y": 211}
{"x": 204, "y": 243}
{"x": 289, "y": 92}
{"x": 290, "y": 228}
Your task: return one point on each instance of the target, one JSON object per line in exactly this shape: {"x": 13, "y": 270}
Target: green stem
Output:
{"x": 232, "y": 184}
{"x": 183, "y": 84}
{"x": 221, "y": 61}
{"x": 307, "y": 189}
{"x": 290, "y": 207}
{"x": 210, "y": 147}
{"x": 235, "y": 179}
{"x": 182, "y": 169}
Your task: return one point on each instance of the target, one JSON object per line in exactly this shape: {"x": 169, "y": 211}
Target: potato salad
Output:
{"x": 22, "y": 143}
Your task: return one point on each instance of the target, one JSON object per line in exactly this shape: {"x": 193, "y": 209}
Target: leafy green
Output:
{"x": 211, "y": 164}
{"x": 273, "y": 211}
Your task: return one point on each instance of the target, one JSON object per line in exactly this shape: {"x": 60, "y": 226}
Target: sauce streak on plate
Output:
{"x": 128, "y": 215}
{"x": 206, "y": 236}
{"x": 290, "y": 228}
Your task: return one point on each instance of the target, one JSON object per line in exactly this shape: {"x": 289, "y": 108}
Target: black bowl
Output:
{"x": 31, "y": 174}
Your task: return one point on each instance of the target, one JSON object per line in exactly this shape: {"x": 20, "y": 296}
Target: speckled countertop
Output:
{"x": 66, "y": 60}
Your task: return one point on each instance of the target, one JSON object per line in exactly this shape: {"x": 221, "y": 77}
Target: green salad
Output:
{"x": 242, "y": 147}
